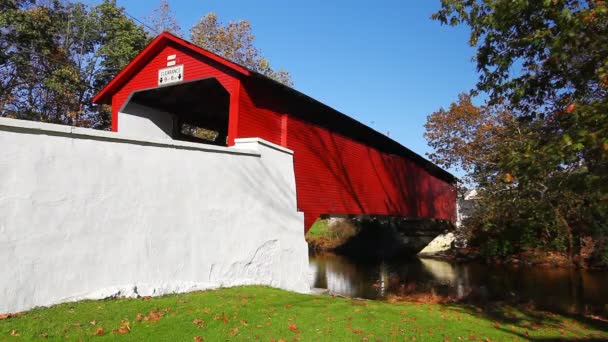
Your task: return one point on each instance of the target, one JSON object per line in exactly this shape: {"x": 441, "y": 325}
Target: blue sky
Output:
{"x": 384, "y": 63}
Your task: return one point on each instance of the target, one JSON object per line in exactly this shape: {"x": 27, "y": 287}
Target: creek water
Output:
{"x": 555, "y": 289}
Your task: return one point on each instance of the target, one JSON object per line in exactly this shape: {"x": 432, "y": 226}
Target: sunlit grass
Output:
{"x": 248, "y": 313}
{"x": 319, "y": 229}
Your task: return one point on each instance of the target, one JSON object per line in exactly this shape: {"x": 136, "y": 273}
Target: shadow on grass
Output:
{"x": 509, "y": 318}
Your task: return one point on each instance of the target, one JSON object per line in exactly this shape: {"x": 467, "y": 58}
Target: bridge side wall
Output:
{"x": 338, "y": 175}
{"x": 89, "y": 214}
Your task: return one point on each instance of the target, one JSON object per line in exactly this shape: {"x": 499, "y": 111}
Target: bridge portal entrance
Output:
{"x": 194, "y": 111}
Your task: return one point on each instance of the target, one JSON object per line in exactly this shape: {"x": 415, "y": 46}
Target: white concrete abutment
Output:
{"x": 91, "y": 214}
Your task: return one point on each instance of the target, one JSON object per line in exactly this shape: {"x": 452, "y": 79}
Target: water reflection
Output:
{"x": 558, "y": 289}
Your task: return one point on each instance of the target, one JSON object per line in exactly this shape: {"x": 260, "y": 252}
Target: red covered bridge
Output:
{"x": 341, "y": 166}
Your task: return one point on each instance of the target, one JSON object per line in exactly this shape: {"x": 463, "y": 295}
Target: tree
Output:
{"x": 546, "y": 62}
{"x": 56, "y": 55}
{"x": 234, "y": 41}
{"x": 163, "y": 20}
{"x": 465, "y": 136}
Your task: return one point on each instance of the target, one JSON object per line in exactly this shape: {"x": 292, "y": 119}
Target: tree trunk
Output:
{"x": 569, "y": 233}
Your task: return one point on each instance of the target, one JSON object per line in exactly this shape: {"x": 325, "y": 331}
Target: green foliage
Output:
{"x": 325, "y": 234}
{"x": 543, "y": 166}
{"x": 261, "y": 313}
{"x": 56, "y": 55}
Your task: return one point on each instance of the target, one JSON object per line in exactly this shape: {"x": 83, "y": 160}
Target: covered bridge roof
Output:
{"x": 317, "y": 112}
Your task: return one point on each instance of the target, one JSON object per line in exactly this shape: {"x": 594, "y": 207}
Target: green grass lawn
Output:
{"x": 261, "y": 313}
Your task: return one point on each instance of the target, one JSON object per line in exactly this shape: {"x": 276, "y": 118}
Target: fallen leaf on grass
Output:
{"x": 92, "y": 322}
{"x": 98, "y": 332}
{"x": 154, "y": 316}
{"x": 139, "y": 317}
{"x": 329, "y": 319}
{"x": 357, "y": 331}
{"x": 121, "y": 331}
{"x": 293, "y": 327}
{"x": 15, "y": 333}
{"x": 233, "y": 332}
{"x": 8, "y": 315}
{"x": 198, "y": 339}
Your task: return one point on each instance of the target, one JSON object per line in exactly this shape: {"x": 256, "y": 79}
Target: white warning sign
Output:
{"x": 170, "y": 75}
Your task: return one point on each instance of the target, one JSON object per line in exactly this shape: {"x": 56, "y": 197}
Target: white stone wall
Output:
{"x": 89, "y": 214}
{"x": 145, "y": 122}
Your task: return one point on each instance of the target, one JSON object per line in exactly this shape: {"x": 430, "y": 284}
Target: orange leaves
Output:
{"x": 223, "y": 317}
{"x": 154, "y": 316}
{"x": 358, "y": 303}
{"x": 98, "y": 332}
{"x": 293, "y": 327}
{"x": 570, "y": 108}
{"x": 123, "y": 329}
{"x": 199, "y": 323}
{"x": 234, "y": 331}
{"x": 508, "y": 178}
{"x": 198, "y": 339}
{"x": 8, "y": 315}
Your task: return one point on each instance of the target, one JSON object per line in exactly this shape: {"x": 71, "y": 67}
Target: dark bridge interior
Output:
{"x": 200, "y": 109}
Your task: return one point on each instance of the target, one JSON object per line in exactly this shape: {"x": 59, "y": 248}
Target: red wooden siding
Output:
{"x": 195, "y": 67}
{"x": 341, "y": 166}
{"x": 337, "y": 175}
{"x": 257, "y": 121}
